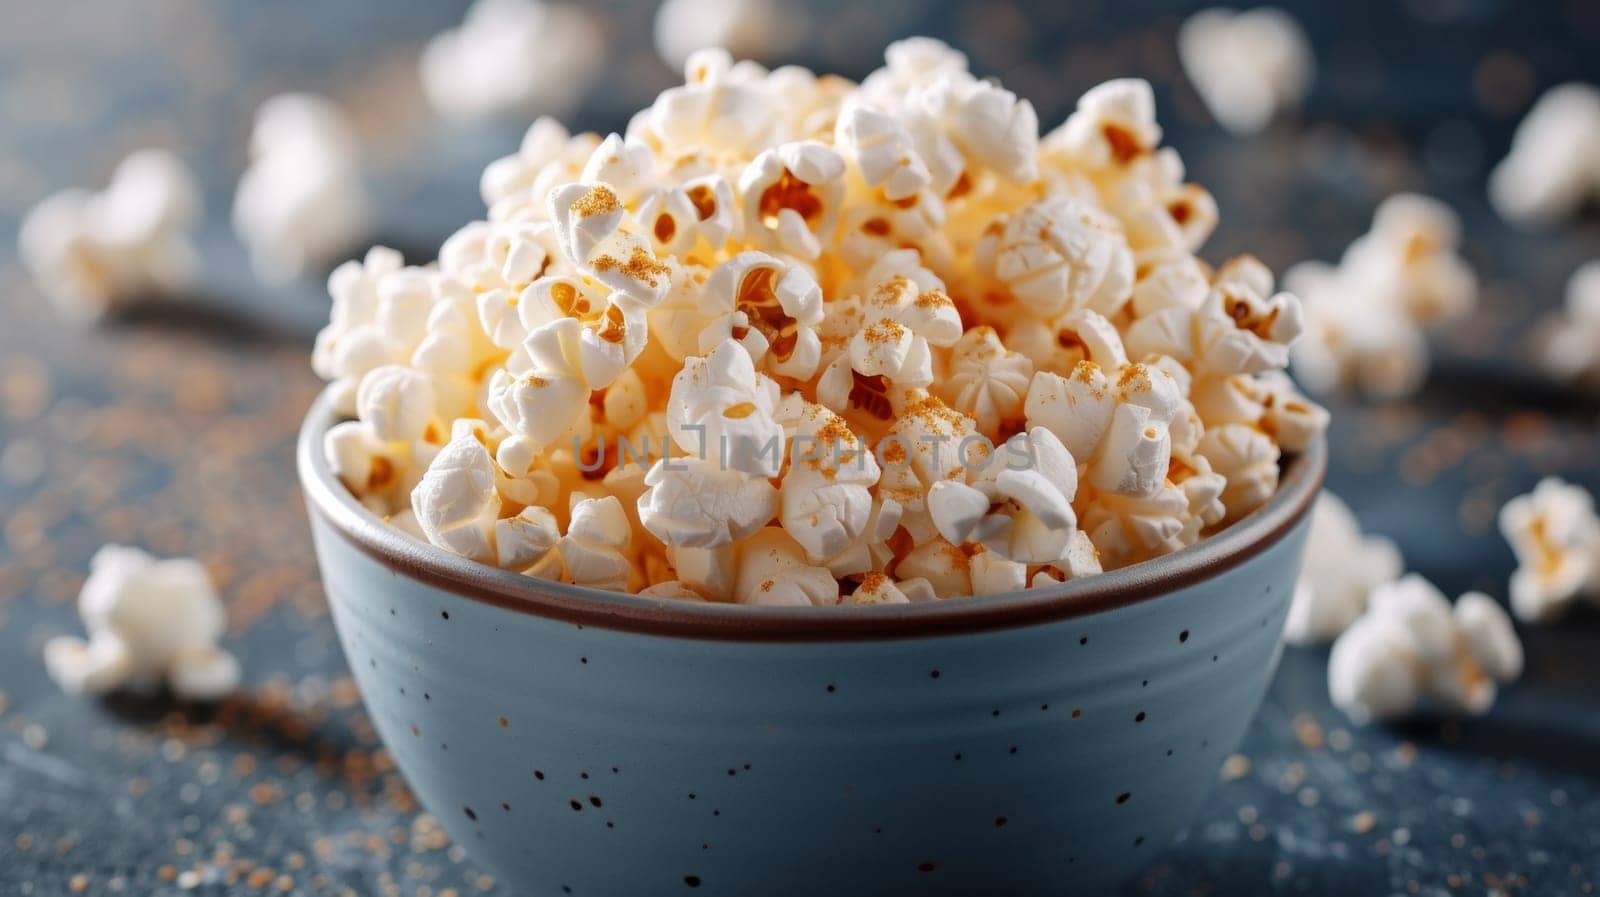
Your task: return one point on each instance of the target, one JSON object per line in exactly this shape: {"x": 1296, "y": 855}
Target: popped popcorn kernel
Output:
{"x": 793, "y": 341}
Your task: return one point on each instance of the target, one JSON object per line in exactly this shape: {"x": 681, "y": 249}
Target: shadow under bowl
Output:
{"x": 586, "y": 742}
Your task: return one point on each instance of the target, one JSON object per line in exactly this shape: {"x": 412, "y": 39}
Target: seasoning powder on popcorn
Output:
{"x": 792, "y": 340}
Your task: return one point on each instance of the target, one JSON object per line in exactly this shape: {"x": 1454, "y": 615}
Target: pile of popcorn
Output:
{"x": 795, "y": 340}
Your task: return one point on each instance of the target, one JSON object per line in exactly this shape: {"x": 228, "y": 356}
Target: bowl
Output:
{"x": 586, "y": 742}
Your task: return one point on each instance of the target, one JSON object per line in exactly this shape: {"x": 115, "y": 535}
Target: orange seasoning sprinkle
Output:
{"x": 598, "y": 201}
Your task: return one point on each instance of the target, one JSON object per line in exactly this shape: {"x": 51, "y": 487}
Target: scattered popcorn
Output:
{"x": 1552, "y": 170}
{"x": 1342, "y": 567}
{"x": 1555, "y": 534}
{"x": 512, "y": 56}
{"x": 1248, "y": 67}
{"x": 792, "y": 341}
{"x": 1365, "y": 319}
{"x": 1573, "y": 348}
{"x": 757, "y": 29}
{"x": 92, "y": 252}
{"x": 301, "y": 202}
{"x": 1411, "y": 645}
{"x": 149, "y": 621}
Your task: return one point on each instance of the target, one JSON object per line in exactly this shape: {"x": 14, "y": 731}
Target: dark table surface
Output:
{"x": 172, "y": 428}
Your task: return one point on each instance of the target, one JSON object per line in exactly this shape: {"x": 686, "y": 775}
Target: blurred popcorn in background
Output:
{"x": 513, "y": 57}
{"x": 1365, "y": 318}
{"x": 1248, "y": 67}
{"x": 1411, "y": 645}
{"x": 91, "y": 252}
{"x": 1573, "y": 349}
{"x": 1556, "y": 536}
{"x": 1342, "y": 567}
{"x": 301, "y": 202}
{"x": 1554, "y": 165}
{"x": 749, "y": 29}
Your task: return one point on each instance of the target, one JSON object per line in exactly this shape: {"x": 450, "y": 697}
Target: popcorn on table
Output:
{"x": 1248, "y": 67}
{"x": 1573, "y": 349}
{"x": 90, "y": 252}
{"x": 1342, "y": 568}
{"x": 301, "y": 202}
{"x": 757, "y": 29}
{"x": 1412, "y": 646}
{"x": 149, "y": 621}
{"x": 1365, "y": 319}
{"x": 795, "y": 341}
{"x": 511, "y": 56}
{"x": 1552, "y": 170}
{"x": 1555, "y": 535}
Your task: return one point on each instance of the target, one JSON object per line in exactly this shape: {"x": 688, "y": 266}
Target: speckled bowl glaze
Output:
{"x": 583, "y": 742}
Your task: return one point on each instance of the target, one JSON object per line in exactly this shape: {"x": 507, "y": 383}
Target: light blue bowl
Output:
{"x": 583, "y": 742}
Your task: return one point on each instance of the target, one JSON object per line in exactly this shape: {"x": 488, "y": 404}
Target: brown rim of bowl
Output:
{"x": 415, "y": 559}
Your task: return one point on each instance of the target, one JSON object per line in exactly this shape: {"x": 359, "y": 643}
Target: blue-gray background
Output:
{"x": 172, "y": 429}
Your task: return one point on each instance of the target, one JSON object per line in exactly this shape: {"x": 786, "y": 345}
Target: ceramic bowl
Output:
{"x": 585, "y": 742}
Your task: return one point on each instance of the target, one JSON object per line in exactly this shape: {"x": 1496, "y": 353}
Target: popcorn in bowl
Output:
{"x": 791, "y": 340}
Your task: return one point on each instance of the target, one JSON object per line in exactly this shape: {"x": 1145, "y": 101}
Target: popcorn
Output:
{"x": 1114, "y": 124}
{"x": 1409, "y": 255}
{"x": 770, "y": 307}
{"x": 301, "y": 203}
{"x": 791, "y": 341}
{"x": 773, "y": 572}
{"x": 1372, "y": 348}
{"x": 545, "y": 141}
{"x": 826, "y": 502}
{"x": 1248, "y": 460}
{"x": 1411, "y": 645}
{"x": 1238, "y": 327}
{"x": 397, "y": 402}
{"x": 901, "y": 321}
{"x": 671, "y": 590}
{"x": 512, "y": 56}
{"x": 1342, "y": 567}
{"x": 593, "y": 548}
{"x": 1024, "y": 515}
{"x": 1551, "y": 171}
{"x": 679, "y": 218}
{"x": 1573, "y": 349}
{"x": 696, "y": 503}
{"x": 1164, "y": 218}
{"x": 717, "y": 107}
{"x": 1062, "y": 254}
{"x": 791, "y": 197}
{"x": 986, "y": 382}
{"x": 1248, "y": 67}
{"x": 92, "y": 252}
{"x": 752, "y": 28}
{"x": 882, "y": 150}
{"x": 1555, "y": 534}
{"x": 527, "y": 543}
{"x": 876, "y": 588}
{"x": 720, "y": 406}
{"x": 149, "y": 621}
{"x": 1365, "y": 319}
{"x": 1121, "y": 428}
{"x": 456, "y": 502}
{"x": 549, "y": 399}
